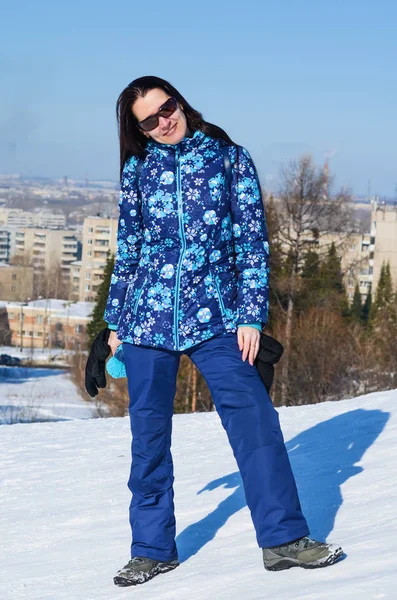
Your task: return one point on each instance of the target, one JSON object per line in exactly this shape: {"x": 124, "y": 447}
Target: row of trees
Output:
{"x": 332, "y": 348}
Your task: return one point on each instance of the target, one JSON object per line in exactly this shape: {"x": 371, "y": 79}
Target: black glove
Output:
{"x": 270, "y": 352}
{"x": 95, "y": 368}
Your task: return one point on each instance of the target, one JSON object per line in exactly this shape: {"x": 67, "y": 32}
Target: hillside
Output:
{"x": 64, "y": 501}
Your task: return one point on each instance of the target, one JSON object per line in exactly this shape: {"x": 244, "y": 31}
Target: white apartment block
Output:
{"x": 47, "y": 249}
{"x": 17, "y": 217}
{"x": 99, "y": 237}
{"x": 384, "y": 240}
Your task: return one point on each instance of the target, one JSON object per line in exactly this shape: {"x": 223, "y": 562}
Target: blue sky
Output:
{"x": 282, "y": 77}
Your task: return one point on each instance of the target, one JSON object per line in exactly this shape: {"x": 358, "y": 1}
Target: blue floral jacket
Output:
{"x": 193, "y": 252}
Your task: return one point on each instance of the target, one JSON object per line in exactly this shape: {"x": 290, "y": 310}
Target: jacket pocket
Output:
{"x": 136, "y": 303}
{"x": 218, "y": 291}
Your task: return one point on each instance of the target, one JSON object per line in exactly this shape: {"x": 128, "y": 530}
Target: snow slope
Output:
{"x": 64, "y": 508}
{"x": 39, "y": 394}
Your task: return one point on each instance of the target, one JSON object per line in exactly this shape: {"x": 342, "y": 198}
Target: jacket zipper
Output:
{"x": 221, "y": 304}
{"x": 139, "y": 297}
{"x": 183, "y": 241}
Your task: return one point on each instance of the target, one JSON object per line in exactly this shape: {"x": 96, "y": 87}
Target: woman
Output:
{"x": 191, "y": 277}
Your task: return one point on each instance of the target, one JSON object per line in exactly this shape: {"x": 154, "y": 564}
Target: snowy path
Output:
{"x": 64, "y": 508}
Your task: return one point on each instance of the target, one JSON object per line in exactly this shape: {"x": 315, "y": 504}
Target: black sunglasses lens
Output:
{"x": 168, "y": 108}
{"x": 149, "y": 123}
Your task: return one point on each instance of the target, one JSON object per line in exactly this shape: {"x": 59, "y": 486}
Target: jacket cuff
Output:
{"x": 256, "y": 325}
{"x": 112, "y": 326}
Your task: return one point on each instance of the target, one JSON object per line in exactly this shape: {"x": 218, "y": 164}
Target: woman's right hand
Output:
{"x": 114, "y": 341}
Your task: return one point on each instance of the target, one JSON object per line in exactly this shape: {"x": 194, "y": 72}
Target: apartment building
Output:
{"x": 47, "y": 323}
{"x": 16, "y": 282}
{"x": 99, "y": 237}
{"x": 7, "y": 243}
{"x": 17, "y": 217}
{"x": 75, "y": 278}
{"x": 47, "y": 250}
{"x": 384, "y": 240}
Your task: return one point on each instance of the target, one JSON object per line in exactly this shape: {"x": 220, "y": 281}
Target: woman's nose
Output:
{"x": 164, "y": 123}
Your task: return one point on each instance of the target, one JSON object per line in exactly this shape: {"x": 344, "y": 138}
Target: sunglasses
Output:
{"x": 165, "y": 110}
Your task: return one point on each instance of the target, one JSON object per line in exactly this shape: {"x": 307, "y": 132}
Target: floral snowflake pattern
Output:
{"x": 192, "y": 250}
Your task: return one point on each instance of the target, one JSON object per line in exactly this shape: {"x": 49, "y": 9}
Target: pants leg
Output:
{"x": 152, "y": 374}
{"x": 253, "y": 428}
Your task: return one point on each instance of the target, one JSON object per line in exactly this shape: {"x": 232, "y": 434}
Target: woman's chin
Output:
{"x": 174, "y": 136}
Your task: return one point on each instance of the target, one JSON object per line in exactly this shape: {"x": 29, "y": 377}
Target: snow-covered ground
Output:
{"x": 64, "y": 508}
{"x": 38, "y": 355}
{"x": 38, "y": 394}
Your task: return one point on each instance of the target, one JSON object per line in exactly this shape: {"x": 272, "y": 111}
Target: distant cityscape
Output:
{"x": 57, "y": 234}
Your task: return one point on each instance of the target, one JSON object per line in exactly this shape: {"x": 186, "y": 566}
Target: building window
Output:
{"x": 13, "y": 288}
{"x": 14, "y": 276}
{"x": 90, "y": 230}
{"x": 79, "y": 329}
{"x": 89, "y": 253}
{"x": 87, "y": 287}
{"x": 89, "y": 242}
{"x": 39, "y": 319}
{"x": 88, "y": 275}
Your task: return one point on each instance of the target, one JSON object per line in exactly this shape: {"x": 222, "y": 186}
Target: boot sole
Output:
{"x": 144, "y": 577}
{"x": 288, "y": 563}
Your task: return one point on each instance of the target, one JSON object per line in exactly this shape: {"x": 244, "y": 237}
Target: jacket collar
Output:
{"x": 187, "y": 144}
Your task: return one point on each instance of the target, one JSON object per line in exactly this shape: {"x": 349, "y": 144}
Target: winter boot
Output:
{"x": 140, "y": 569}
{"x": 304, "y": 552}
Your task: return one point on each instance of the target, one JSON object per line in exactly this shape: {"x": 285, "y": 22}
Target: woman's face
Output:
{"x": 170, "y": 130}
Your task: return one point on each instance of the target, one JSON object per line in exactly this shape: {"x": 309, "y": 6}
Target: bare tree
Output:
{"x": 308, "y": 217}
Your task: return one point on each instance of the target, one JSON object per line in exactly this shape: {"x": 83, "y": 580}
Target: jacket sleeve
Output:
{"x": 250, "y": 238}
{"x": 129, "y": 241}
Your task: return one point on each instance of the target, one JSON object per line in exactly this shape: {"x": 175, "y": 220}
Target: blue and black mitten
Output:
{"x": 270, "y": 352}
{"x": 95, "y": 368}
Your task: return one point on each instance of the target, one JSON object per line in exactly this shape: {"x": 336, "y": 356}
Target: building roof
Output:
{"x": 57, "y": 308}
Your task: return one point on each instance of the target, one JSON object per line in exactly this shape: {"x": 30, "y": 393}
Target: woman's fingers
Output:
{"x": 113, "y": 342}
{"x": 248, "y": 342}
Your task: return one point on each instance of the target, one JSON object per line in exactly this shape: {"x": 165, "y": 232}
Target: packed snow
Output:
{"x": 64, "y": 507}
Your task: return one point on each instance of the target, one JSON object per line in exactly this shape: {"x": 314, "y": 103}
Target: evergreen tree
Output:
{"x": 366, "y": 309}
{"x": 384, "y": 291}
{"x": 310, "y": 284}
{"x": 97, "y": 323}
{"x": 356, "y": 309}
{"x": 333, "y": 290}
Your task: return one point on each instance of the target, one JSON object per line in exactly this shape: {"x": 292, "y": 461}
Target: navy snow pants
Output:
{"x": 253, "y": 428}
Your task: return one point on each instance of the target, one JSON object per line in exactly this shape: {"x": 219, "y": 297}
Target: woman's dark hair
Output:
{"x": 132, "y": 140}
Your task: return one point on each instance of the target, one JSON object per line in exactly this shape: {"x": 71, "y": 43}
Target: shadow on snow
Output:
{"x": 22, "y": 374}
{"x": 322, "y": 458}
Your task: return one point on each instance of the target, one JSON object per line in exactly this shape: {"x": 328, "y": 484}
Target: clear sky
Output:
{"x": 283, "y": 77}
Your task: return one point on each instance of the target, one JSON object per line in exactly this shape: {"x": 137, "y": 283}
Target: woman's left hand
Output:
{"x": 248, "y": 341}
